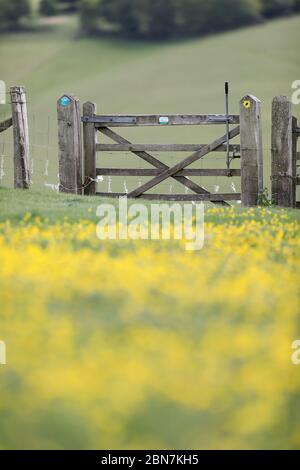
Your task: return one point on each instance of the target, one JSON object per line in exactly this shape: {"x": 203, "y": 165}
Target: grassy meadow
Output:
{"x": 142, "y": 344}
{"x": 140, "y": 77}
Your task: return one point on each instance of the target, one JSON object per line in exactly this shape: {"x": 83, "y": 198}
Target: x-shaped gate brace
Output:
{"x": 101, "y": 123}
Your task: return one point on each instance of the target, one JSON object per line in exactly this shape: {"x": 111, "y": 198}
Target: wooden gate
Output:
{"x": 247, "y": 125}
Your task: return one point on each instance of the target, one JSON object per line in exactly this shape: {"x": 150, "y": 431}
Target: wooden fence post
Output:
{"x": 251, "y": 150}
{"x": 21, "y": 137}
{"x": 70, "y": 145}
{"x": 296, "y": 180}
{"x": 89, "y": 143}
{"x": 283, "y": 177}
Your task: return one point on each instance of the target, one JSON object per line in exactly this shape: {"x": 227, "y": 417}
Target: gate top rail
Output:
{"x": 118, "y": 120}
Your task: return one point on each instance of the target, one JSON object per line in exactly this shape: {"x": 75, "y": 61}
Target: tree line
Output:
{"x": 157, "y": 19}
{"x": 16, "y": 14}
{"x": 154, "y": 19}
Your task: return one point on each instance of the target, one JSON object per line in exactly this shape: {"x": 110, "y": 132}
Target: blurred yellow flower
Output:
{"x": 142, "y": 344}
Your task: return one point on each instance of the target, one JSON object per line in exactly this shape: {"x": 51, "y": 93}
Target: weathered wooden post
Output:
{"x": 89, "y": 144}
{"x": 296, "y": 155}
{"x": 21, "y": 137}
{"x": 70, "y": 144}
{"x": 283, "y": 175}
{"x": 251, "y": 150}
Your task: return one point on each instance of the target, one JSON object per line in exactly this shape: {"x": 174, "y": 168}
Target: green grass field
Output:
{"x": 57, "y": 208}
{"x": 14, "y": 204}
{"x": 138, "y": 77}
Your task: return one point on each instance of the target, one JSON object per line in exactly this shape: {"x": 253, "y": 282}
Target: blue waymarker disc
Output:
{"x": 65, "y": 101}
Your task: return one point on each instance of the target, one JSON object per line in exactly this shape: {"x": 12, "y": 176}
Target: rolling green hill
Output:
{"x": 128, "y": 77}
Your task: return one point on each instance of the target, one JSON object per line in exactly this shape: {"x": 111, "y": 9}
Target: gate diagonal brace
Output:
{"x": 158, "y": 164}
{"x": 171, "y": 172}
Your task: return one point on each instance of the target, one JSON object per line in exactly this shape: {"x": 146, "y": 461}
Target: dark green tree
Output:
{"x": 12, "y": 12}
{"x": 162, "y": 19}
{"x": 123, "y": 14}
{"x": 230, "y": 14}
{"x": 272, "y": 8}
{"x": 192, "y": 17}
{"x": 48, "y": 7}
{"x": 68, "y": 5}
{"x": 297, "y": 5}
{"x": 89, "y": 15}
{"x": 201, "y": 16}
{"x": 127, "y": 17}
